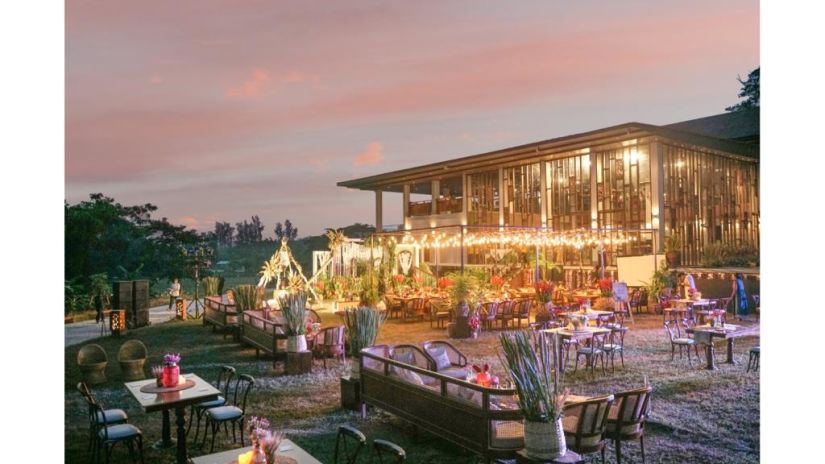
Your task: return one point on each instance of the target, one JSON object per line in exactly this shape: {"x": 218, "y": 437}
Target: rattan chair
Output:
{"x": 681, "y": 342}
{"x": 92, "y": 361}
{"x": 394, "y": 305}
{"x": 505, "y": 312}
{"x": 489, "y": 312}
{"x": 348, "y": 442}
{"x": 439, "y": 313}
{"x": 113, "y": 416}
{"x": 585, "y": 423}
{"x": 385, "y": 451}
{"x": 236, "y": 413}
{"x": 329, "y": 343}
{"x": 753, "y": 359}
{"x": 454, "y": 364}
{"x": 109, "y": 434}
{"x": 224, "y": 377}
{"x": 132, "y": 356}
{"x": 626, "y": 419}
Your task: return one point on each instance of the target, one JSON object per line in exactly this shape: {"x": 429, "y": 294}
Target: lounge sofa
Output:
{"x": 485, "y": 421}
{"x": 268, "y": 335}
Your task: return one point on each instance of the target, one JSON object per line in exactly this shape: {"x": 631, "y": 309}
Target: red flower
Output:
{"x": 399, "y": 278}
{"x": 444, "y": 282}
{"x": 496, "y": 281}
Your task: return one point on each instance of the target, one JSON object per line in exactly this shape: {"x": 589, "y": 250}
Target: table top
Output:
{"x": 585, "y": 331}
{"x": 729, "y": 331}
{"x": 202, "y": 391}
{"x": 287, "y": 448}
{"x": 589, "y": 314}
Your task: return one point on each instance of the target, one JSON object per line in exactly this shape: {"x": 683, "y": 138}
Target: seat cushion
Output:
{"x": 119, "y": 432}
{"x": 223, "y": 413}
{"x": 612, "y": 347}
{"x": 113, "y": 416}
{"x": 683, "y": 341}
{"x": 589, "y": 350}
{"x": 455, "y": 372}
{"x": 220, "y": 401}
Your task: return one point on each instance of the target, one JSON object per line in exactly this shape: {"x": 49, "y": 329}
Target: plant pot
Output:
{"x": 355, "y": 368}
{"x": 544, "y": 440}
{"x": 171, "y": 374}
{"x": 296, "y": 343}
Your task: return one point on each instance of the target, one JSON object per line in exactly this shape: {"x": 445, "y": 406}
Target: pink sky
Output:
{"x": 218, "y": 110}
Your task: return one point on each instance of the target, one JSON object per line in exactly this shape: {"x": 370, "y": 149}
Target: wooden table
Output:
{"x": 151, "y": 402}
{"x": 729, "y": 332}
{"x": 287, "y": 449}
{"x": 589, "y": 315}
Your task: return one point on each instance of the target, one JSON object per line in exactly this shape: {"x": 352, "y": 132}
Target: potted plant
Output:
{"x": 246, "y": 297}
{"x": 544, "y": 295}
{"x": 672, "y": 250}
{"x": 538, "y": 384}
{"x": 293, "y": 306}
{"x": 461, "y": 292}
{"x": 362, "y": 326}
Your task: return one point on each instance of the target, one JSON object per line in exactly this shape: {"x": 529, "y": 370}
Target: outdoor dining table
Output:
{"x": 287, "y": 449}
{"x": 705, "y": 334}
{"x": 589, "y": 315}
{"x": 177, "y": 400}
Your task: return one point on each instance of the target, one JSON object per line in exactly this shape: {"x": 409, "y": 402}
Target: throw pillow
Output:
{"x": 442, "y": 360}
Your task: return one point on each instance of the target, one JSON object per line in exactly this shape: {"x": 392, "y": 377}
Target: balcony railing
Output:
{"x": 443, "y": 206}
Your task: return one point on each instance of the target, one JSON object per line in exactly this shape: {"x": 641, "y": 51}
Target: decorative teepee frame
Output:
{"x": 283, "y": 264}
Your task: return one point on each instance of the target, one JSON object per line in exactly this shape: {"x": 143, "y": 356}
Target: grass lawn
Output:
{"x": 696, "y": 416}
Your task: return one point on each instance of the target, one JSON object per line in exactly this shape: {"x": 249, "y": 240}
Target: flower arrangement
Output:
{"x": 265, "y": 442}
{"x": 157, "y": 372}
{"x": 474, "y": 321}
{"x": 417, "y": 281}
{"x": 606, "y": 286}
{"x": 444, "y": 283}
{"x": 483, "y": 377}
{"x": 171, "y": 370}
{"x": 544, "y": 291}
{"x": 497, "y": 282}
{"x": 171, "y": 359}
{"x": 399, "y": 278}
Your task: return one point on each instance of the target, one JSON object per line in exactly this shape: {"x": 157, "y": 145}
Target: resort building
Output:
{"x": 626, "y": 190}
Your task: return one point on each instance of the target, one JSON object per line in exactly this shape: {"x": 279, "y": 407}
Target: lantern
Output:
{"x": 117, "y": 321}
{"x": 180, "y": 309}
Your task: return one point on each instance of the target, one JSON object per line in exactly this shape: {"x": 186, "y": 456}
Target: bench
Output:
{"x": 220, "y": 315}
{"x": 268, "y": 335}
{"x": 485, "y": 421}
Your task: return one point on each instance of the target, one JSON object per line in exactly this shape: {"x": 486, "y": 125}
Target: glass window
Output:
{"x": 568, "y": 192}
{"x": 522, "y": 195}
{"x": 484, "y": 198}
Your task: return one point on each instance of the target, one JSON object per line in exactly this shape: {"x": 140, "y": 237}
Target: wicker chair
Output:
{"x": 329, "y": 343}
{"x": 415, "y": 309}
{"x": 585, "y": 423}
{"x": 626, "y": 419}
{"x": 681, "y": 342}
{"x": 132, "y": 356}
{"x": 488, "y": 314}
{"x": 454, "y": 364}
{"x": 92, "y": 361}
{"x": 385, "y": 451}
{"x": 394, "y": 305}
{"x": 349, "y": 441}
{"x": 505, "y": 312}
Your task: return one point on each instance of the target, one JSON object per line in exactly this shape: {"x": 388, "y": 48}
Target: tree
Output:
{"x": 750, "y": 92}
{"x": 285, "y": 230}
{"x": 224, "y": 233}
{"x": 249, "y": 232}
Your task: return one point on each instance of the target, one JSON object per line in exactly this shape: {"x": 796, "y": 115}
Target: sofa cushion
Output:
{"x": 408, "y": 376}
{"x": 442, "y": 360}
{"x": 406, "y": 357}
{"x": 455, "y": 372}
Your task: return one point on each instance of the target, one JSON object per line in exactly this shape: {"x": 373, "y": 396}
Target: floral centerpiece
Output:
{"x": 265, "y": 443}
{"x": 444, "y": 283}
{"x": 544, "y": 291}
{"x": 497, "y": 282}
{"x": 606, "y": 286}
{"x": 474, "y": 322}
{"x": 171, "y": 369}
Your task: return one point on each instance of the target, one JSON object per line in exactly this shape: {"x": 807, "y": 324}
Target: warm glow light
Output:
{"x": 634, "y": 156}
{"x": 679, "y": 164}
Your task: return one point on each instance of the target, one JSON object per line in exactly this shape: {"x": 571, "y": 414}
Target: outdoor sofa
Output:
{"x": 268, "y": 335}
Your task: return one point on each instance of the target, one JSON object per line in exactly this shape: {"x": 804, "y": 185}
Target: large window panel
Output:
{"x": 522, "y": 196}
{"x": 568, "y": 190}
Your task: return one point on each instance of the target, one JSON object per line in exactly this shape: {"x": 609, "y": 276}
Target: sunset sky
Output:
{"x": 218, "y": 110}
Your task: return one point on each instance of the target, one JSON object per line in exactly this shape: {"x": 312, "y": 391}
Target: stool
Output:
{"x": 753, "y": 359}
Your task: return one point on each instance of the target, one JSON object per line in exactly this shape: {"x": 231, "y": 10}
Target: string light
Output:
{"x": 436, "y": 239}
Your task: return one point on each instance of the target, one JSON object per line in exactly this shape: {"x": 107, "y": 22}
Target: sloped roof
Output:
{"x": 737, "y": 125}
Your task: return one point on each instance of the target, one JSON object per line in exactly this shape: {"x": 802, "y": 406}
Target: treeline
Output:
{"x": 107, "y": 241}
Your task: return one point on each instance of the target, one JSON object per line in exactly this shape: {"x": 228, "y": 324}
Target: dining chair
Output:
{"x": 385, "y": 449}
{"x": 224, "y": 377}
{"x": 596, "y": 348}
{"x": 615, "y": 345}
{"x": 415, "y": 309}
{"x": 505, "y": 312}
{"x": 110, "y": 434}
{"x": 488, "y": 314}
{"x": 439, "y": 313}
{"x": 236, "y": 413}
{"x": 626, "y": 419}
{"x": 753, "y": 359}
{"x": 329, "y": 343}
{"x": 96, "y": 421}
{"x": 681, "y": 342}
{"x": 584, "y": 425}
{"x": 348, "y": 442}
{"x": 523, "y": 311}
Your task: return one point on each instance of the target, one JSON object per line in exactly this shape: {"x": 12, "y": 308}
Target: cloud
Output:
{"x": 257, "y": 85}
{"x": 373, "y": 155}
{"x": 155, "y": 79}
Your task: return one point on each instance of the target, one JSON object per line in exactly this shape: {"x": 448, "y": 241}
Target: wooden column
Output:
{"x": 594, "y": 194}
{"x": 379, "y": 211}
{"x": 406, "y": 206}
{"x": 657, "y": 191}
{"x": 501, "y": 196}
{"x": 435, "y": 187}
{"x": 544, "y": 199}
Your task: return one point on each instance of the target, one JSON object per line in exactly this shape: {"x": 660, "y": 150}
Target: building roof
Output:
{"x": 391, "y": 181}
{"x": 737, "y": 125}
